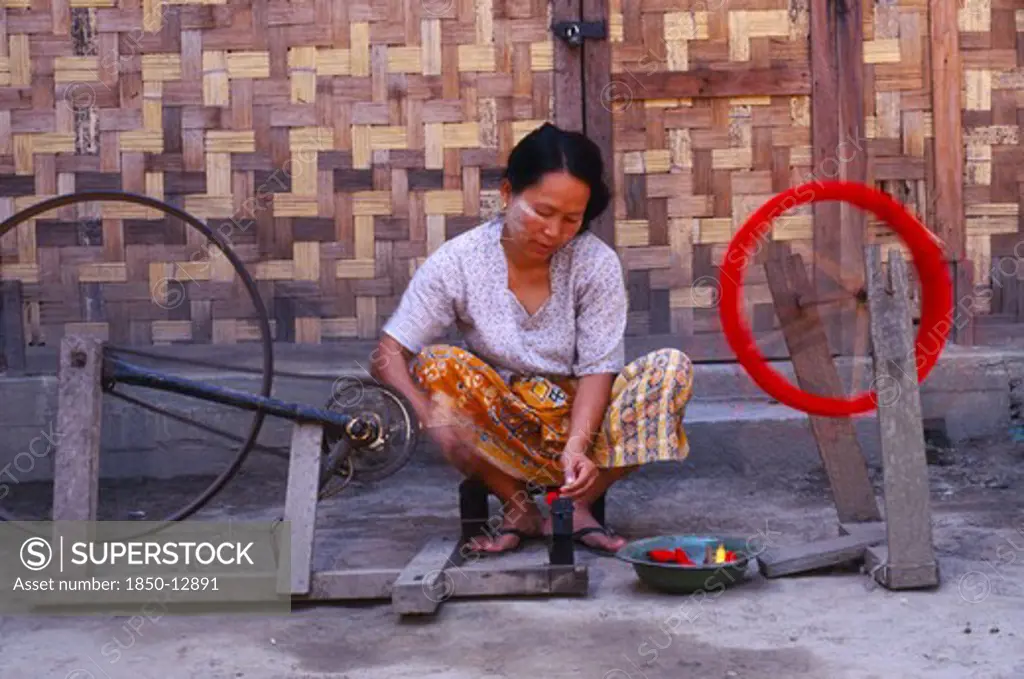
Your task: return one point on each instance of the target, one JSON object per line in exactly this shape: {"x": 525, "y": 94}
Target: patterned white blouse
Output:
{"x": 579, "y": 330}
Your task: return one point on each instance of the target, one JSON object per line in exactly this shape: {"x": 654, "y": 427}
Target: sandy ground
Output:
{"x": 823, "y": 626}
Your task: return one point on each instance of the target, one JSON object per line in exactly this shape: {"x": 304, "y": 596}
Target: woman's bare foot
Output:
{"x": 511, "y": 534}
{"x": 588, "y": 531}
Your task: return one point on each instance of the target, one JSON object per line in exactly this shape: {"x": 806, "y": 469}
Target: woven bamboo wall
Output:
{"x": 992, "y": 47}
{"x": 689, "y": 171}
{"x": 333, "y": 142}
{"x": 898, "y": 104}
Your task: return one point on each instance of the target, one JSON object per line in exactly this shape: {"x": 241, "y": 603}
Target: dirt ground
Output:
{"x": 824, "y": 626}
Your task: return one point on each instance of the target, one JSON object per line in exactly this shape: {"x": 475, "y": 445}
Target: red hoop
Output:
{"x": 927, "y": 258}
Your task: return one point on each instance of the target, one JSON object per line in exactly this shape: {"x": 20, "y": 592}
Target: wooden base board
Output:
{"x": 811, "y": 556}
{"x": 857, "y": 542}
{"x": 429, "y": 579}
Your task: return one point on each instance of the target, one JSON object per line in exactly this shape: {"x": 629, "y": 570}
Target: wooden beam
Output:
{"x": 947, "y": 127}
{"x": 568, "y": 72}
{"x": 836, "y": 437}
{"x": 851, "y": 159}
{"x": 909, "y": 559}
{"x": 716, "y": 82}
{"x": 597, "y": 108}
{"x": 827, "y": 234}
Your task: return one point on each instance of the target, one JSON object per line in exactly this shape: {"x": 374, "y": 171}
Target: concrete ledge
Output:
{"x": 730, "y": 422}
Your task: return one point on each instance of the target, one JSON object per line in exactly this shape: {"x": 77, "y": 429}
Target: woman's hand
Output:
{"x": 580, "y": 474}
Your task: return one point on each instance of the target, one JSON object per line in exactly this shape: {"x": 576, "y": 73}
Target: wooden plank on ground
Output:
{"x": 423, "y": 584}
{"x": 947, "y": 126}
{"x": 776, "y": 562}
{"x": 911, "y": 554}
{"x": 816, "y": 373}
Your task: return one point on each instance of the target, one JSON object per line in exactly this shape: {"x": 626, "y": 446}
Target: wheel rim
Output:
{"x": 264, "y": 322}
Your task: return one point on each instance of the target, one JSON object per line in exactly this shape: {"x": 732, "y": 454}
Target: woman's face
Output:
{"x": 547, "y": 215}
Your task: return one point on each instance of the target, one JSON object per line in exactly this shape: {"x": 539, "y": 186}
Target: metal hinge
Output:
{"x": 574, "y": 32}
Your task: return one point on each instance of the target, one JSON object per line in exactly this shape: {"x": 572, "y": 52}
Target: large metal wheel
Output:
{"x": 249, "y": 442}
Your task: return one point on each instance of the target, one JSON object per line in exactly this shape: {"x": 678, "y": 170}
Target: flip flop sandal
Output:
{"x": 522, "y": 535}
{"x": 578, "y": 536}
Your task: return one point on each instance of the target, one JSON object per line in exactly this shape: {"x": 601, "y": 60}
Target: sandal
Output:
{"x": 578, "y": 536}
{"x": 522, "y": 535}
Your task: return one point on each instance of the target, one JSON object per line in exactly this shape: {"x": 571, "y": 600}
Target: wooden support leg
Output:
{"x": 816, "y": 373}
{"x": 908, "y": 561}
{"x": 76, "y": 476}
{"x": 300, "y": 504}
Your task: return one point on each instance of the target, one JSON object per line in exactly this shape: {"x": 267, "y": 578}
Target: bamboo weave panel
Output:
{"x": 992, "y": 48}
{"x": 898, "y": 103}
{"x": 688, "y": 172}
{"x": 334, "y": 143}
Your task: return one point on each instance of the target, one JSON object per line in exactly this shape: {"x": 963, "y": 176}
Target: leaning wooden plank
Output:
{"x": 779, "y": 561}
{"x": 300, "y": 504}
{"x": 911, "y": 553}
{"x": 424, "y": 583}
{"x": 836, "y": 437}
{"x": 76, "y": 474}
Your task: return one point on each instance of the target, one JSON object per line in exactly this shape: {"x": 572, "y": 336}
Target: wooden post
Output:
{"x": 597, "y": 113}
{"x": 12, "y": 327}
{"x": 568, "y": 72}
{"x": 76, "y": 474}
{"x": 948, "y": 190}
{"x": 301, "y": 496}
{"x": 964, "y": 313}
{"x": 836, "y": 437}
{"x": 908, "y": 560}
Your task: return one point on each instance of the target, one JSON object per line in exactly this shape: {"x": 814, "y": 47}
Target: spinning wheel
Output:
{"x": 936, "y": 293}
{"x": 371, "y": 457}
{"x": 368, "y": 428}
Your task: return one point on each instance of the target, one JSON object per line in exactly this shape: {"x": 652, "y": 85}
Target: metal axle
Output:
{"x": 116, "y": 371}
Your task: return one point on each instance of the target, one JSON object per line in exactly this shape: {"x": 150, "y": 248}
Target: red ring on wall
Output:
{"x": 927, "y": 258}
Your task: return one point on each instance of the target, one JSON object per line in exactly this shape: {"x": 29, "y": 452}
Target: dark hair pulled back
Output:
{"x": 552, "y": 149}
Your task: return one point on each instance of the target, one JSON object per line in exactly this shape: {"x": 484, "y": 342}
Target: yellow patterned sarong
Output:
{"x": 521, "y": 427}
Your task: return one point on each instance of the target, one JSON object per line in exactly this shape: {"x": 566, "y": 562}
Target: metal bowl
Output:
{"x": 676, "y": 578}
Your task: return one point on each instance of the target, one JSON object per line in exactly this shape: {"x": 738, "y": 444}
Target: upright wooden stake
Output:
{"x": 908, "y": 561}
{"x": 76, "y": 473}
{"x": 816, "y": 373}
